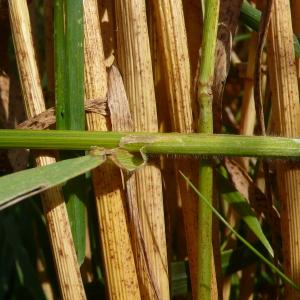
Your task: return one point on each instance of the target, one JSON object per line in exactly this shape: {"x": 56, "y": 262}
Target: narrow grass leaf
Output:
{"x": 244, "y": 210}
{"x": 69, "y": 72}
{"x": 244, "y": 241}
{"x": 251, "y": 16}
{"x": 18, "y": 186}
{"x": 69, "y": 61}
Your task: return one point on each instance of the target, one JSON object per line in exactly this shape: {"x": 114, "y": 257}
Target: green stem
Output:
{"x": 205, "y": 125}
{"x": 154, "y": 143}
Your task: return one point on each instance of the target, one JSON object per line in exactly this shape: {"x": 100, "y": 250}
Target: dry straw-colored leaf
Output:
{"x": 228, "y": 22}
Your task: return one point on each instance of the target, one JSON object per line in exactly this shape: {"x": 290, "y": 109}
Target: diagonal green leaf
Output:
{"x": 244, "y": 241}
{"x": 251, "y": 16}
{"x": 244, "y": 210}
{"x": 18, "y": 186}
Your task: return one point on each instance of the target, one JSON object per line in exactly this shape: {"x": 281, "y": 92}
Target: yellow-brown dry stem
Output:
{"x": 285, "y": 100}
{"x": 135, "y": 63}
{"x": 53, "y": 203}
{"x": 295, "y": 7}
{"x": 120, "y": 271}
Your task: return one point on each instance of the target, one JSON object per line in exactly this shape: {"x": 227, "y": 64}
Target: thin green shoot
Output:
{"x": 244, "y": 241}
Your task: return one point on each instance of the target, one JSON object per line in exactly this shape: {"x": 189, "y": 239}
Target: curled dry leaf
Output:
{"x": 251, "y": 192}
{"x": 47, "y": 118}
{"x": 121, "y": 120}
{"x": 228, "y": 21}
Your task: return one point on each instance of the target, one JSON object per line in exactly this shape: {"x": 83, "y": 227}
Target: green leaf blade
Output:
{"x": 251, "y": 16}
{"x": 244, "y": 210}
{"x": 70, "y": 112}
{"x": 244, "y": 241}
{"x": 17, "y": 186}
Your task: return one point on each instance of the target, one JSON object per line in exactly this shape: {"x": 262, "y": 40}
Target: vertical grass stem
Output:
{"x": 205, "y": 125}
